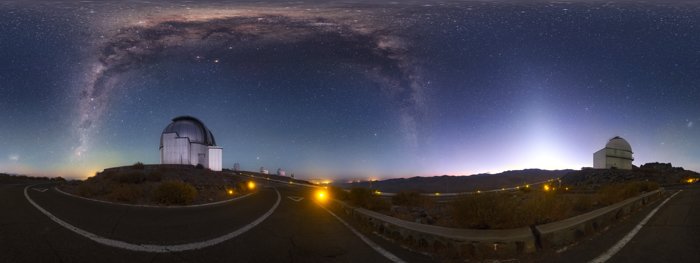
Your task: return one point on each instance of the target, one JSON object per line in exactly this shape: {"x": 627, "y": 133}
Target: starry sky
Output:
{"x": 351, "y": 88}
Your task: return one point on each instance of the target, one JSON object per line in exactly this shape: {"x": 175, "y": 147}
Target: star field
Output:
{"x": 350, "y": 89}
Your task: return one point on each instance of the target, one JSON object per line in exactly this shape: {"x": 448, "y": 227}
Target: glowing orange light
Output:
{"x": 230, "y": 192}
{"x": 321, "y": 195}
{"x": 546, "y": 188}
{"x": 251, "y": 185}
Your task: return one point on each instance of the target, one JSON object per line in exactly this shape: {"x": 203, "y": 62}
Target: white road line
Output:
{"x": 152, "y": 206}
{"x": 150, "y": 247}
{"x": 620, "y": 244}
{"x": 369, "y": 242}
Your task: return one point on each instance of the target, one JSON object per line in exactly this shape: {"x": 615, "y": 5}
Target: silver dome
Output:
{"x": 618, "y": 143}
{"x": 192, "y": 128}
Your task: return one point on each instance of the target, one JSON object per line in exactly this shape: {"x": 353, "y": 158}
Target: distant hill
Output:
{"x": 10, "y": 178}
{"x": 662, "y": 173}
{"x": 449, "y": 183}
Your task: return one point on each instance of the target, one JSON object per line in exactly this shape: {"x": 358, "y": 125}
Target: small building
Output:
{"x": 187, "y": 141}
{"x": 281, "y": 172}
{"x": 263, "y": 170}
{"x": 616, "y": 154}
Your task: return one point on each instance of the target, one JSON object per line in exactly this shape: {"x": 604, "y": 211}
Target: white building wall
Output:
{"x": 195, "y": 151}
{"x": 175, "y": 150}
{"x": 215, "y": 157}
{"x": 608, "y": 158}
{"x": 599, "y": 159}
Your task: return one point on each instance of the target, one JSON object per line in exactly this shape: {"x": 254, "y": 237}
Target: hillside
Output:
{"x": 662, "y": 173}
{"x": 160, "y": 185}
{"x": 447, "y": 183}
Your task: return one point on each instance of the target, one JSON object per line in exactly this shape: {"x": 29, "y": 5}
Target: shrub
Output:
{"x": 544, "y": 207}
{"x": 154, "y": 176}
{"x": 125, "y": 193}
{"x": 338, "y": 193}
{"x": 139, "y": 166}
{"x": 129, "y": 178}
{"x": 408, "y": 198}
{"x": 363, "y": 197}
{"x": 86, "y": 190}
{"x": 199, "y": 166}
{"x": 618, "y": 192}
{"x": 485, "y": 210}
{"x": 175, "y": 193}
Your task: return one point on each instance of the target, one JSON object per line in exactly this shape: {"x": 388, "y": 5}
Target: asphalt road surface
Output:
{"x": 291, "y": 227}
{"x": 672, "y": 234}
{"x": 297, "y": 230}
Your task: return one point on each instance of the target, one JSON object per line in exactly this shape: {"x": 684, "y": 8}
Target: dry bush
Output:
{"x": 363, "y": 197}
{"x": 408, "y": 198}
{"x": 138, "y": 166}
{"x": 86, "y": 190}
{"x": 486, "y": 210}
{"x": 338, "y": 193}
{"x": 618, "y": 192}
{"x": 125, "y": 193}
{"x": 174, "y": 193}
{"x": 543, "y": 207}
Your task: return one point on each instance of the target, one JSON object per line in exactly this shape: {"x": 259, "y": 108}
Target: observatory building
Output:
{"x": 187, "y": 141}
{"x": 616, "y": 154}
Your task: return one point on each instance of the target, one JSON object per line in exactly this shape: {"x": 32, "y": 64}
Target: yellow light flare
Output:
{"x": 321, "y": 195}
{"x": 546, "y": 188}
{"x": 437, "y": 194}
{"x": 230, "y": 192}
{"x": 251, "y": 185}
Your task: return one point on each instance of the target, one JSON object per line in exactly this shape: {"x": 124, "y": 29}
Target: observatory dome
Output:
{"x": 187, "y": 141}
{"x": 618, "y": 143}
{"x": 191, "y": 128}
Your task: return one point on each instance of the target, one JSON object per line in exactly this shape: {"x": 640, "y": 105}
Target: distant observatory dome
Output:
{"x": 616, "y": 154}
{"x": 187, "y": 141}
{"x": 191, "y": 128}
{"x": 618, "y": 143}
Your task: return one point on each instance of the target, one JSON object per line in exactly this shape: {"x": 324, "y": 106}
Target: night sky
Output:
{"x": 350, "y": 88}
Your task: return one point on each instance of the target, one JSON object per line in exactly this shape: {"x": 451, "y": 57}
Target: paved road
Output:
{"x": 294, "y": 232}
{"x": 670, "y": 235}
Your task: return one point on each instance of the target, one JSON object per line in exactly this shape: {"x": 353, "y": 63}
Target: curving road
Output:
{"x": 671, "y": 234}
{"x": 292, "y": 231}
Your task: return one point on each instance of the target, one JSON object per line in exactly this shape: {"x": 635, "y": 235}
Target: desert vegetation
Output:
{"x": 498, "y": 210}
{"x": 159, "y": 185}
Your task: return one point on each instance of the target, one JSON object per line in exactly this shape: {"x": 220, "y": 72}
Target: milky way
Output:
{"x": 384, "y": 55}
{"x": 362, "y": 87}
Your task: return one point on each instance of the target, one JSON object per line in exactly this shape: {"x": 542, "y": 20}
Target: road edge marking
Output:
{"x": 150, "y": 247}
{"x": 367, "y": 241}
{"x": 627, "y": 238}
{"x": 152, "y": 206}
